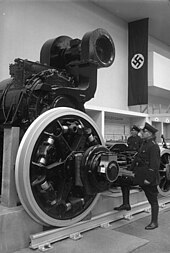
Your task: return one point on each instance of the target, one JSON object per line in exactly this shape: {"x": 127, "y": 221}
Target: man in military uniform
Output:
{"x": 146, "y": 170}
{"x": 134, "y": 143}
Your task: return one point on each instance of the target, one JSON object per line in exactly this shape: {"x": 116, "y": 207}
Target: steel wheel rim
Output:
{"x": 24, "y": 155}
{"x": 164, "y": 186}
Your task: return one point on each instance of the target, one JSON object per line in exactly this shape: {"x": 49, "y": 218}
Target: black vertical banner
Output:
{"x": 138, "y": 62}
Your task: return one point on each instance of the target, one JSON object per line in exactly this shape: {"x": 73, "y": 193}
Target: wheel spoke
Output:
{"x": 55, "y": 165}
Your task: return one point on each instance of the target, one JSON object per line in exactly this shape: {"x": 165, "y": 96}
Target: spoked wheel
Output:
{"x": 47, "y": 169}
{"x": 164, "y": 186}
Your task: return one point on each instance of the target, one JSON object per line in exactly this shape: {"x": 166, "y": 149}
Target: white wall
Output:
{"x": 160, "y": 71}
{"x": 159, "y": 56}
{"x": 157, "y": 46}
{"x": 26, "y": 25}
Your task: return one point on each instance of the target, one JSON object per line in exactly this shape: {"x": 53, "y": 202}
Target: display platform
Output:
{"x": 97, "y": 240}
{"x": 15, "y": 228}
{"x": 17, "y": 225}
{"x": 122, "y": 236}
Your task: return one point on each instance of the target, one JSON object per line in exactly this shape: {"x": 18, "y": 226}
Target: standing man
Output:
{"x": 146, "y": 168}
{"x": 134, "y": 142}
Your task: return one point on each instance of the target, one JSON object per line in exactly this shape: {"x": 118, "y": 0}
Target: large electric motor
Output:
{"x": 62, "y": 163}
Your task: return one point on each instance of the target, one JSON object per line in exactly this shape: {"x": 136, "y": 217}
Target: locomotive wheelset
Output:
{"x": 62, "y": 162}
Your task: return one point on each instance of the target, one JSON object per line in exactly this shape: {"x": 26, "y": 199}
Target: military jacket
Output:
{"x": 134, "y": 143}
{"x": 149, "y": 157}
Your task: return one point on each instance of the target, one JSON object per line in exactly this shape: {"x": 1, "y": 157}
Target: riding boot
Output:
{"x": 154, "y": 218}
{"x": 125, "y": 194}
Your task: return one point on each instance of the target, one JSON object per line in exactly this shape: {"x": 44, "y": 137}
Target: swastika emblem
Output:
{"x": 137, "y": 61}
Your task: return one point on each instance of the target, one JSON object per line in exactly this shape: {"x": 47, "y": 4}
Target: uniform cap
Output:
{"x": 135, "y": 128}
{"x": 150, "y": 128}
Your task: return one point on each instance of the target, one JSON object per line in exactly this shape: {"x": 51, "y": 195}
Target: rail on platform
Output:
{"x": 43, "y": 240}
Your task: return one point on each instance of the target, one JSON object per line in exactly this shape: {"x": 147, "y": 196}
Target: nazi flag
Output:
{"x": 138, "y": 62}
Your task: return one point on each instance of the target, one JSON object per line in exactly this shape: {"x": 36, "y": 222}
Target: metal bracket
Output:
{"x": 147, "y": 210}
{"x": 76, "y": 236}
{"x": 163, "y": 205}
{"x": 45, "y": 247}
{"x": 105, "y": 225}
{"x": 128, "y": 216}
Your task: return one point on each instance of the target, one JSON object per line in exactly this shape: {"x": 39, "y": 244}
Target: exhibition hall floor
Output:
{"x": 120, "y": 237}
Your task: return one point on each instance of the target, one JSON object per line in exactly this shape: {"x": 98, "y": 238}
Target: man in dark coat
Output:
{"x": 146, "y": 169}
{"x": 134, "y": 142}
